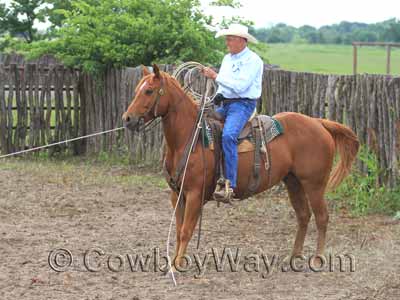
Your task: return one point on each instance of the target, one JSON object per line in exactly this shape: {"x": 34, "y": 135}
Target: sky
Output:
{"x": 316, "y": 13}
{"x": 265, "y": 13}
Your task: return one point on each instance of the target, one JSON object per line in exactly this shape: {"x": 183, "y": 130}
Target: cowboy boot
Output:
{"x": 223, "y": 192}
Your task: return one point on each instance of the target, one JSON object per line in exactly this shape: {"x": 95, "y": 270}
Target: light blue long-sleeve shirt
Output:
{"x": 240, "y": 75}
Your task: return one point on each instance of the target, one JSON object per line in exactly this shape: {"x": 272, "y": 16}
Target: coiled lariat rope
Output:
{"x": 187, "y": 73}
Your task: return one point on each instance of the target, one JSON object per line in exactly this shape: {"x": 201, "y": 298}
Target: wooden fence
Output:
{"x": 81, "y": 104}
{"x": 369, "y": 104}
{"x": 39, "y": 104}
{"x": 14, "y": 58}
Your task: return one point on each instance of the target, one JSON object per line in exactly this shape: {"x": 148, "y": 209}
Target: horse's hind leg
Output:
{"x": 300, "y": 204}
{"x": 315, "y": 194}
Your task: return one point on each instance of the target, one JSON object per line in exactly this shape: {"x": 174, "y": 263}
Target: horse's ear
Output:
{"x": 156, "y": 71}
{"x": 145, "y": 71}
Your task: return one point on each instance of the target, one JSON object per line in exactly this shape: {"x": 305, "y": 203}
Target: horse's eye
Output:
{"x": 148, "y": 92}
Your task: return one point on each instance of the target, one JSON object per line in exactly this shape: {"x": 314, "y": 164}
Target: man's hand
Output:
{"x": 209, "y": 73}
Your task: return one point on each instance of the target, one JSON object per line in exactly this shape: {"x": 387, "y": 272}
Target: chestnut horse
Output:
{"x": 302, "y": 157}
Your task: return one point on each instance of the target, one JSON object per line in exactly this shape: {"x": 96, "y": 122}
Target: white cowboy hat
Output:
{"x": 237, "y": 30}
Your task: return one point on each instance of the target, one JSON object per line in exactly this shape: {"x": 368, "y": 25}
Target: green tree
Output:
{"x": 3, "y": 14}
{"x": 54, "y": 9}
{"x": 229, "y": 3}
{"x": 260, "y": 34}
{"x": 329, "y": 35}
{"x": 19, "y": 18}
{"x": 281, "y": 33}
{"x": 309, "y": 33}
{"x": 96, "y": 34}
{"x": 393, "y": 31}
{"x": 363, "y": 36}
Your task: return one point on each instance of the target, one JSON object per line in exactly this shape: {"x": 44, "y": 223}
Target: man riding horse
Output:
{"x": 302, "y": 157}
{"x": 239, "y": 87}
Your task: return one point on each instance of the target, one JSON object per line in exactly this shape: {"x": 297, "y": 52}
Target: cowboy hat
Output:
{"x": 237, "y": 30}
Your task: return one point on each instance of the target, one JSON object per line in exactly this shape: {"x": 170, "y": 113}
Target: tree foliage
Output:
{"x": 53, "y": 12}
{"x": 95, "y": 34}
{"x": 19, "y": 18}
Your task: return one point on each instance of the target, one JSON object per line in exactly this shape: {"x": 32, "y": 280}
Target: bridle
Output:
{"x": 156, "y": 101}
{"x": 153, "y": 108}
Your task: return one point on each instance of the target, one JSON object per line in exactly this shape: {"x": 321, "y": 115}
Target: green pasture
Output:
{"x": 331, "y": 59}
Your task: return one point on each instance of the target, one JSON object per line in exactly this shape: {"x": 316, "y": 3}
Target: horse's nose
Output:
{"x": 125, "y": 117}
{"x": 129, "y": 122}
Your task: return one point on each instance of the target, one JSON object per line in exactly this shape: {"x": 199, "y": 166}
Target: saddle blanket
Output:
{"x": 272, "y": 128}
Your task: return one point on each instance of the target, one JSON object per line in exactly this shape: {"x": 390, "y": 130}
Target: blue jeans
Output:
{"x": 236, "y": 115}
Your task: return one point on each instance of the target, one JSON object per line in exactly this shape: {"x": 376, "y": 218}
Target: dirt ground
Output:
{"x": 106, "y": 215}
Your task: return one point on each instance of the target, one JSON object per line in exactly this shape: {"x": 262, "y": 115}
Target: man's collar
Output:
{"x": 241, "y": 53}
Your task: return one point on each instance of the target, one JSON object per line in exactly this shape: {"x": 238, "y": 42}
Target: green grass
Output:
{"x": 331, "y": 59}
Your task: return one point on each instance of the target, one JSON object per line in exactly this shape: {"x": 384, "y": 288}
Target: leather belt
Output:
{"x": 228, "y": 100}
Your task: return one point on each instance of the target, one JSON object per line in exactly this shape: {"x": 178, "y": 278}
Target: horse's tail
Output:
{"x": 347, "y": 145}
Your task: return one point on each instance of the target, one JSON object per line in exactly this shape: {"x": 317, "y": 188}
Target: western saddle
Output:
{"x": 253, "y": 138}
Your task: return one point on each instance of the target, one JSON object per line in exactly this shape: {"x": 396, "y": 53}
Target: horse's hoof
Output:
{"x": 170, "y": 270}
{"x": 166, "y": 271}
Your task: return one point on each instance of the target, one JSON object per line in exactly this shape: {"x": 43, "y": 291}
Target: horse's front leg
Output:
{"x": 178, "y": 218}
{"x": 192, "y": 213}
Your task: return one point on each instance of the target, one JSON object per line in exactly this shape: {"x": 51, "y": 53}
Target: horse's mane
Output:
{"x": 177, "y": 85}
{"x": 172, "y": 81}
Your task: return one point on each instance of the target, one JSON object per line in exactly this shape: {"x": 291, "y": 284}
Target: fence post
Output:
{"x": 354, "y": 59}
{"x": 388, "y": 52}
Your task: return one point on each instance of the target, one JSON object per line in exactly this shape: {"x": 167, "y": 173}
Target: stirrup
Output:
{"x": 223, "y": 192}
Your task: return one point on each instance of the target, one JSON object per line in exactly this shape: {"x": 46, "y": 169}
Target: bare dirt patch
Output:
{"x": 119, "y": 211}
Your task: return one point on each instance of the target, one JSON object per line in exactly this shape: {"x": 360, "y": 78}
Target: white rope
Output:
{"x": 58, "y": 143}
{"x": 198, "y": 127}
{"x": 186, "y": 73}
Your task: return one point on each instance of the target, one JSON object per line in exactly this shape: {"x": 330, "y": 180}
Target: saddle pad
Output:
{"x": 272, "y": 129}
